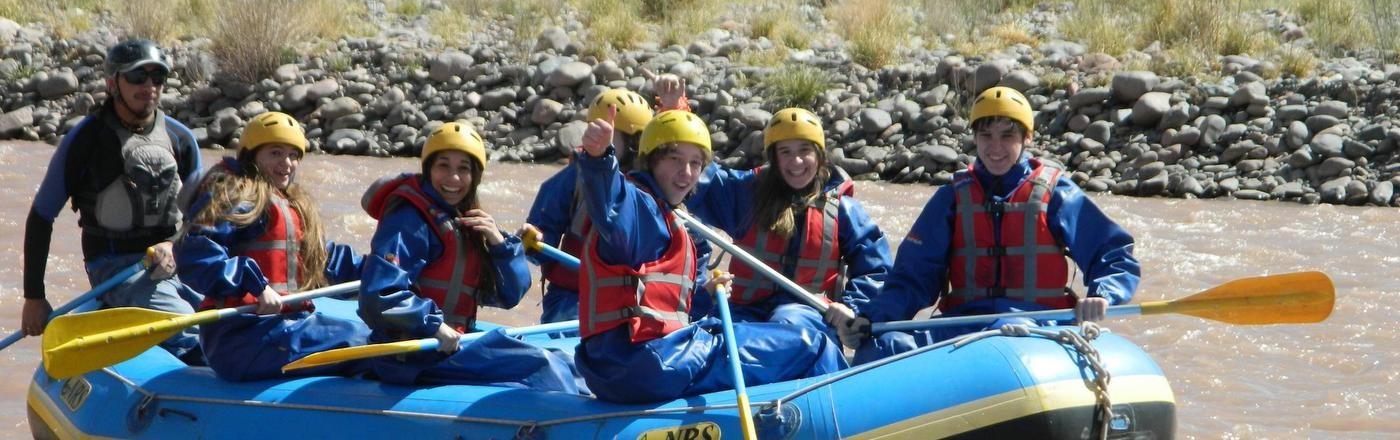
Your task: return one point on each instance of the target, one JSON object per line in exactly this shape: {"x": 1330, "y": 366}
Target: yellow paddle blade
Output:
{"x": 330, "y": 357}
{"x": 79, "y": 343}
{"x": 1291, "y": 298}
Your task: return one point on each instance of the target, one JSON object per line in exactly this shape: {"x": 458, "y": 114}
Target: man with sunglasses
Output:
{"x": 123, "y": 167}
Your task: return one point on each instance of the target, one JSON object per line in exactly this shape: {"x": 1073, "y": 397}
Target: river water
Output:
{"x": 1337, "y": 379}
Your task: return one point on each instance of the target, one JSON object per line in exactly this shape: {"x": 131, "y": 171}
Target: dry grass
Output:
{"x": 1295, "y": 60}
{"x": 1101, "y": 26}
{"x": 63, "y": 18}
{"x": 794, "y": 86}
{"x": 782, "y": 26}
{"x": 252, "y": 37}
{"x": 873, "y": 30}
{"x": 613, "y": 25}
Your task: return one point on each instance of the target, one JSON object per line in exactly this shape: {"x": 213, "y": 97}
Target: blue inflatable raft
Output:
{"x": 992, "y": 387}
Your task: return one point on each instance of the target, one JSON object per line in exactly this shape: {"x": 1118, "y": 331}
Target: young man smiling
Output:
{"x": 123, "y": 166}
{"x": 996, "y": 240}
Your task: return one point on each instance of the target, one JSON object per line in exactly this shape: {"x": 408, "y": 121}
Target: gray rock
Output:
{"x": 448, "y": 64}
{"x": 552, "y": 38}
{"x": 989, "y": 74}
{"x": 1335, "y": 191}
{"x": 1250, "y": 94}
{"x": 387, "y": 101}
{"x": 1300, "y": 159}
{"x": 1297, "y": 134}
{"x": 1021, "y": 80}
{"x": 250, "y": 109}
{"x": 325, "y": 88}
{"x": 1382, "y": 193}
{"x": 1334, "y": 166}
{"x": 1371, "y": 132}
{"x": 347, "y": 141}
{"x": 1250, "y": 194}
{"x": 1288, "y": 190}
{"x": 339, "y": 107}
{"x": 12, "y": 122}
{"x": 571, "y": 136}
{"x": 1090, "y": 145}
{"x": 938, "y": 153}
{"x": 1188, "y": 136}
{"x": 1317, "y": 123}
{"x": 225, "y": 123}
{"x": 1211, "y": 128}
{"x": 1356, "y": 149}
{"x": 1150, "y": 108}
{"x": 1089, "y": 96}
{"x": 546, "y": 111}
{"x": 1335, "y": 109}
{"x": 608, "y": 71}
{"x": 1326, "y": 145}
{"x": 752, "y": 117}
{"x": 354, "y": 120}
{"x": 1295, "y": 112}
{"x": 286, "y": 73}
{"x": 1078, "y": 123}
{"x": 1154, "y": 185}
{"x": 58, "y": 84}
{"x": 1129, "y": 86}
{"x": 570, "y": 74}
{"x": 1099, "y": 130}
{"x": 495, "y": 99}
{"x": 1189, "y": 185}
{"x": 294, "y": 97}
{"x": 873, "y": 120}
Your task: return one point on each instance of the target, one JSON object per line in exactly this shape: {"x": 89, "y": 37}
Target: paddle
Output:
{"x": 76, "y": 344}
{"x": 532, "y": 242}
{"x": 113, "y": 281}
{"x": 789, "y": 286}
{"x": 732, "y": 348}
{"x": 1291, "y": 298}
{"x": 339, "y": 355}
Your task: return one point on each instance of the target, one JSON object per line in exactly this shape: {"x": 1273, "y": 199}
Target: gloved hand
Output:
{"x": 1091, "y": 309}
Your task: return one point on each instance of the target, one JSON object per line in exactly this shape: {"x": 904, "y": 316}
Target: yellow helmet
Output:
{"x": 675, "y": 126}
{"x": 794, "y": 123}
{"x": 1003, "y": 101}
{"x": 456, "y": 136}
{"x": 270, "y": 128}
{"x": 633, "y": 114}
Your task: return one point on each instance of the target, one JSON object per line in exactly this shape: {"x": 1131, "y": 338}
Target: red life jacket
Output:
{"x": 818, "y": 262}
{"x": 453, "y": 279}
{"x": 276, "y": 252}
{"x": 652, "y": 300}
{"x": 1026, "y": 264}
{"x": 571, "y": 242}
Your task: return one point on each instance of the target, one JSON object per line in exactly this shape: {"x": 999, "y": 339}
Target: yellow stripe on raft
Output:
{"x": 53, "y": 416}
{"x": 1021, "y": 403}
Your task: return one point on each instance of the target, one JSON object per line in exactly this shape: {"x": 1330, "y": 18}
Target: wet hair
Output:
{"x": 775, "y": 203}
{"x": 247, "y": 185}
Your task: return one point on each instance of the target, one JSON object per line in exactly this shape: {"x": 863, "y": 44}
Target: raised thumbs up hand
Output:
{"x": 599, "y": 134}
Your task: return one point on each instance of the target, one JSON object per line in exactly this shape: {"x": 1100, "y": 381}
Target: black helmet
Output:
{"x": 132, "y": 54}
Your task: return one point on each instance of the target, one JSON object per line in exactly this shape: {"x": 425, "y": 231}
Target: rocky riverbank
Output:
{"x": 1328, "y": 138}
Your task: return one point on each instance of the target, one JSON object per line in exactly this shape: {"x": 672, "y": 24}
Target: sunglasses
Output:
{"x": 139, "y": 76}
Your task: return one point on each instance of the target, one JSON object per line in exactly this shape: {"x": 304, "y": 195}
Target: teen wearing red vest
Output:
{"x": 799, "y": 215}
{"x": 435, "y": 258}
{"x": 995, "y": 240}
{"x": 257, "y": 236}
{"x": 640, "y": 270}
{"x": 558, "y": 213}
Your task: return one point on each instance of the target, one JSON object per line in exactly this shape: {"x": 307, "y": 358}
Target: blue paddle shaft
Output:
{"x": 559, "y": 256}
{"x": 1040, "y": 315}
{"x": 731, "y": 346}
{"x": 100, "y": 289}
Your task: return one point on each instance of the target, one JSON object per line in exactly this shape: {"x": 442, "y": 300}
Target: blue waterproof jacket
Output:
{"x": 632, "y": 230}
{"x": 553, "y": 212}
{"x": 1101, "y": 248}
{"x": 724, "y": 200}
{"x": 248, "y": 346}
{"x": 404, "y": 244}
